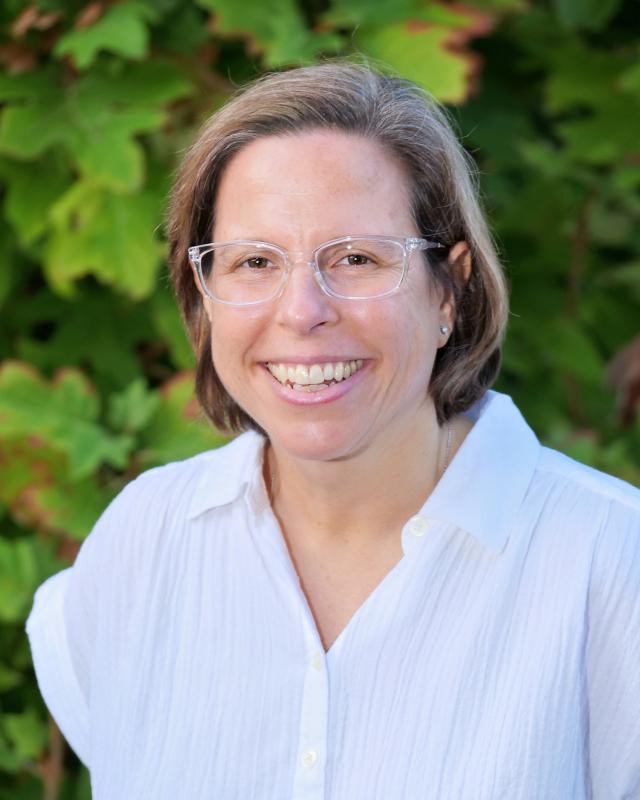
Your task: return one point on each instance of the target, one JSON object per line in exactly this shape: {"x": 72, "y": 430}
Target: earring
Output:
{"x": 444, "y": 329}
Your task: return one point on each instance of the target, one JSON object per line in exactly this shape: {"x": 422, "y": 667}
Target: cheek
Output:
{"x": 233, "y": 334}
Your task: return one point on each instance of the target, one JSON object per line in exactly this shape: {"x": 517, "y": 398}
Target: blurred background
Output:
{"x": 98, "y": 100}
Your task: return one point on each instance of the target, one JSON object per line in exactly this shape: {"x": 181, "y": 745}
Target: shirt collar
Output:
{"x": 226, "y": 473}
{"x": 480, "y": 492}
{"x": 486, "y": 482}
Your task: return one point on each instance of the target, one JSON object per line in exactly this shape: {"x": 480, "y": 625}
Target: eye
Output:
{"x": 257, "y": 262}
{"x": 353, "y": 260}
{"x": 357, "y": 259}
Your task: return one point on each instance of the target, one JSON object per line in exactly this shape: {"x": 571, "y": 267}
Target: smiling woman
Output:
{"x": 385, "y": 587}
{"x": 275, "y": 189}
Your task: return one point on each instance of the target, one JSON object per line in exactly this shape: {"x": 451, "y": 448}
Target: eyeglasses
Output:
{"x": 244, "y": 273}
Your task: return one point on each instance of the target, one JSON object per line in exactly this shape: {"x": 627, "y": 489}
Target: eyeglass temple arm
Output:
{"x": 418, "y": 243}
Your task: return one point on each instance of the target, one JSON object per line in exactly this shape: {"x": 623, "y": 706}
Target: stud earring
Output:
{"x": 444, "y": 329}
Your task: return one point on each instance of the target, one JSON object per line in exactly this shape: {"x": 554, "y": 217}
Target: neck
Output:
{"x": 365, "y": 497}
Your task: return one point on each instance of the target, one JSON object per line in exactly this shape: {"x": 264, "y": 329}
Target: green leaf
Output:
{"x": 28, "y": 85}
{"x": 84, "y": 334}
{"x": 131, "y": 409}
{"x": 96, "y": 120}
{"x": 35, "y": 483}
{"x": 106, "y": 235}
{"x": 626, "y": 276}
{"x": 107, "y": 152}
{"x": 419, "y": 55}
{"x": 19, "y": 578}
{"x": 62, "y": 413}
{"x": 9, "y": 678}
{"x": 9, "y": 761}
{"x": 184, "y": 31}
{"x": 573, "y": 352}
{"x": 24, "y": 132}
{"x": 63, "y": 506}
{"x": 609, "y": 225}
{"x": 630, "y": 79}
{"x": 372, "y": 13}
{"x": 274, "y": 28}
{"x": 500, "y": 5}
{"x": 429, "y": 49}
{"x": 7, "y": 261}
{"x": 177, "y": 430}
{"x": 169, "y": 326}
{"x": 29, "y": 197}
{"x": 589, "y": 14}
{"x": 131, "y": 85}
{"x": 610, "y": 134}
{"x": 581, "y": 76}
{"x": 27, "y": 732}
{"x": 122, "y": 30}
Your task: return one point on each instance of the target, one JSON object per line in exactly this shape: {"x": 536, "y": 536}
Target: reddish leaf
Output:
{"x": 17, "y": 58}
{"x": 24, "y": 22}
{"x": 30, "y": 18}
{"x": 89, "y": 15}
{"x": 624, "y": 375}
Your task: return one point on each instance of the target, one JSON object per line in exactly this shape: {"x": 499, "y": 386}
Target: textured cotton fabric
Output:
{"x": 500, "y": 658}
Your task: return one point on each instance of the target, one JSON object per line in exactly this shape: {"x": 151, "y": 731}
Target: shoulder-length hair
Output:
{"x": 414, "y": 130}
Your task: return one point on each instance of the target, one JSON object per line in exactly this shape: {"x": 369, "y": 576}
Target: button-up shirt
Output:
{"x": 498, "y": 659}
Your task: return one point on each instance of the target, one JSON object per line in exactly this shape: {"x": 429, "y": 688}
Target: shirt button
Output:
{"x": 418, "y": 526}
{"x": 316, "y": 661}
{"x": 309, "y": 758}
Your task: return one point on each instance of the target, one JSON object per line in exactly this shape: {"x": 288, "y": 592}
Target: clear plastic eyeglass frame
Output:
{"x": 409, "y": 244}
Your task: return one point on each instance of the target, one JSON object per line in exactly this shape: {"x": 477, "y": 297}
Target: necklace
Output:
{"x": 447, "y": 451}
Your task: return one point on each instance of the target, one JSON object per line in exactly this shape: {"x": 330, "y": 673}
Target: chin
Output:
{"x": 315, "y": 441}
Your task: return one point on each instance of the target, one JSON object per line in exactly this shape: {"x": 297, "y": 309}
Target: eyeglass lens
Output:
{"x": 249, "y": 273}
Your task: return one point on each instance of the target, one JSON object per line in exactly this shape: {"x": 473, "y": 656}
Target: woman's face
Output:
{"x": 298, "y": 192}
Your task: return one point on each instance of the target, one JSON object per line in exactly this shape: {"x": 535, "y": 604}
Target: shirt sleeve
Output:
{"x": 53, "y": 664}
{"x": 613, "y": 658}
{"x": 62, "y": 628}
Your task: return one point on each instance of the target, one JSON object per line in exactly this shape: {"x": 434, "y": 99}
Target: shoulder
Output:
{"x": 589, "y": 501}
{"x": 150, "y": 525}
{"x": 175, "y": 484}
{"x": 607, "y": 511}
{"x": 162, "y": 500}
{"x": 583, "y": 516}
{"x": 593, "y": 484}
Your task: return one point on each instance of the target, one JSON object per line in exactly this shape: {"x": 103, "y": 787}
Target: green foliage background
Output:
{"x": 98, "y": 99}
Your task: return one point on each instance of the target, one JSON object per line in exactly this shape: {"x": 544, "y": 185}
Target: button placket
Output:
{"x": 312, "y": 741}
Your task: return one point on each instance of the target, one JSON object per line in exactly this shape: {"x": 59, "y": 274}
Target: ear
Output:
{"x": 207, "y": 305}
{"x": 459, "y": 260}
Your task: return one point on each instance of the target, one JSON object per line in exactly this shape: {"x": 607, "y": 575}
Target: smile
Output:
{"x": 314, "y": 377}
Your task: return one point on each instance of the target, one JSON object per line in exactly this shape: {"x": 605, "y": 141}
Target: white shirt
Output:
{"x": 499, "y": 659}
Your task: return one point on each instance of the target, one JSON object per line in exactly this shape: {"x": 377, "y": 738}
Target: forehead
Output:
{"x": 322, "y": 180}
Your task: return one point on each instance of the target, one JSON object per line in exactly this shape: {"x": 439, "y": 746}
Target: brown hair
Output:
{"x": 408, "y": 123}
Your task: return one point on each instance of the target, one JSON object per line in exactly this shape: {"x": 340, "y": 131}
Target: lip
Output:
{"x": 323, "y": 397}
{"x": 309, "y": 360}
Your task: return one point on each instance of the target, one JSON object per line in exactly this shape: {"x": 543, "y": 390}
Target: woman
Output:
{"x": 385, "y": 588}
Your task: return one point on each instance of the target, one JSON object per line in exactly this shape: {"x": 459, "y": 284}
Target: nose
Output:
{"x": 303, "y": 305}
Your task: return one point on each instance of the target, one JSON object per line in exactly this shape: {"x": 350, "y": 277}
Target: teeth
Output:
{"x": 315, "y": 377}
{"x": 312, "y": 387}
